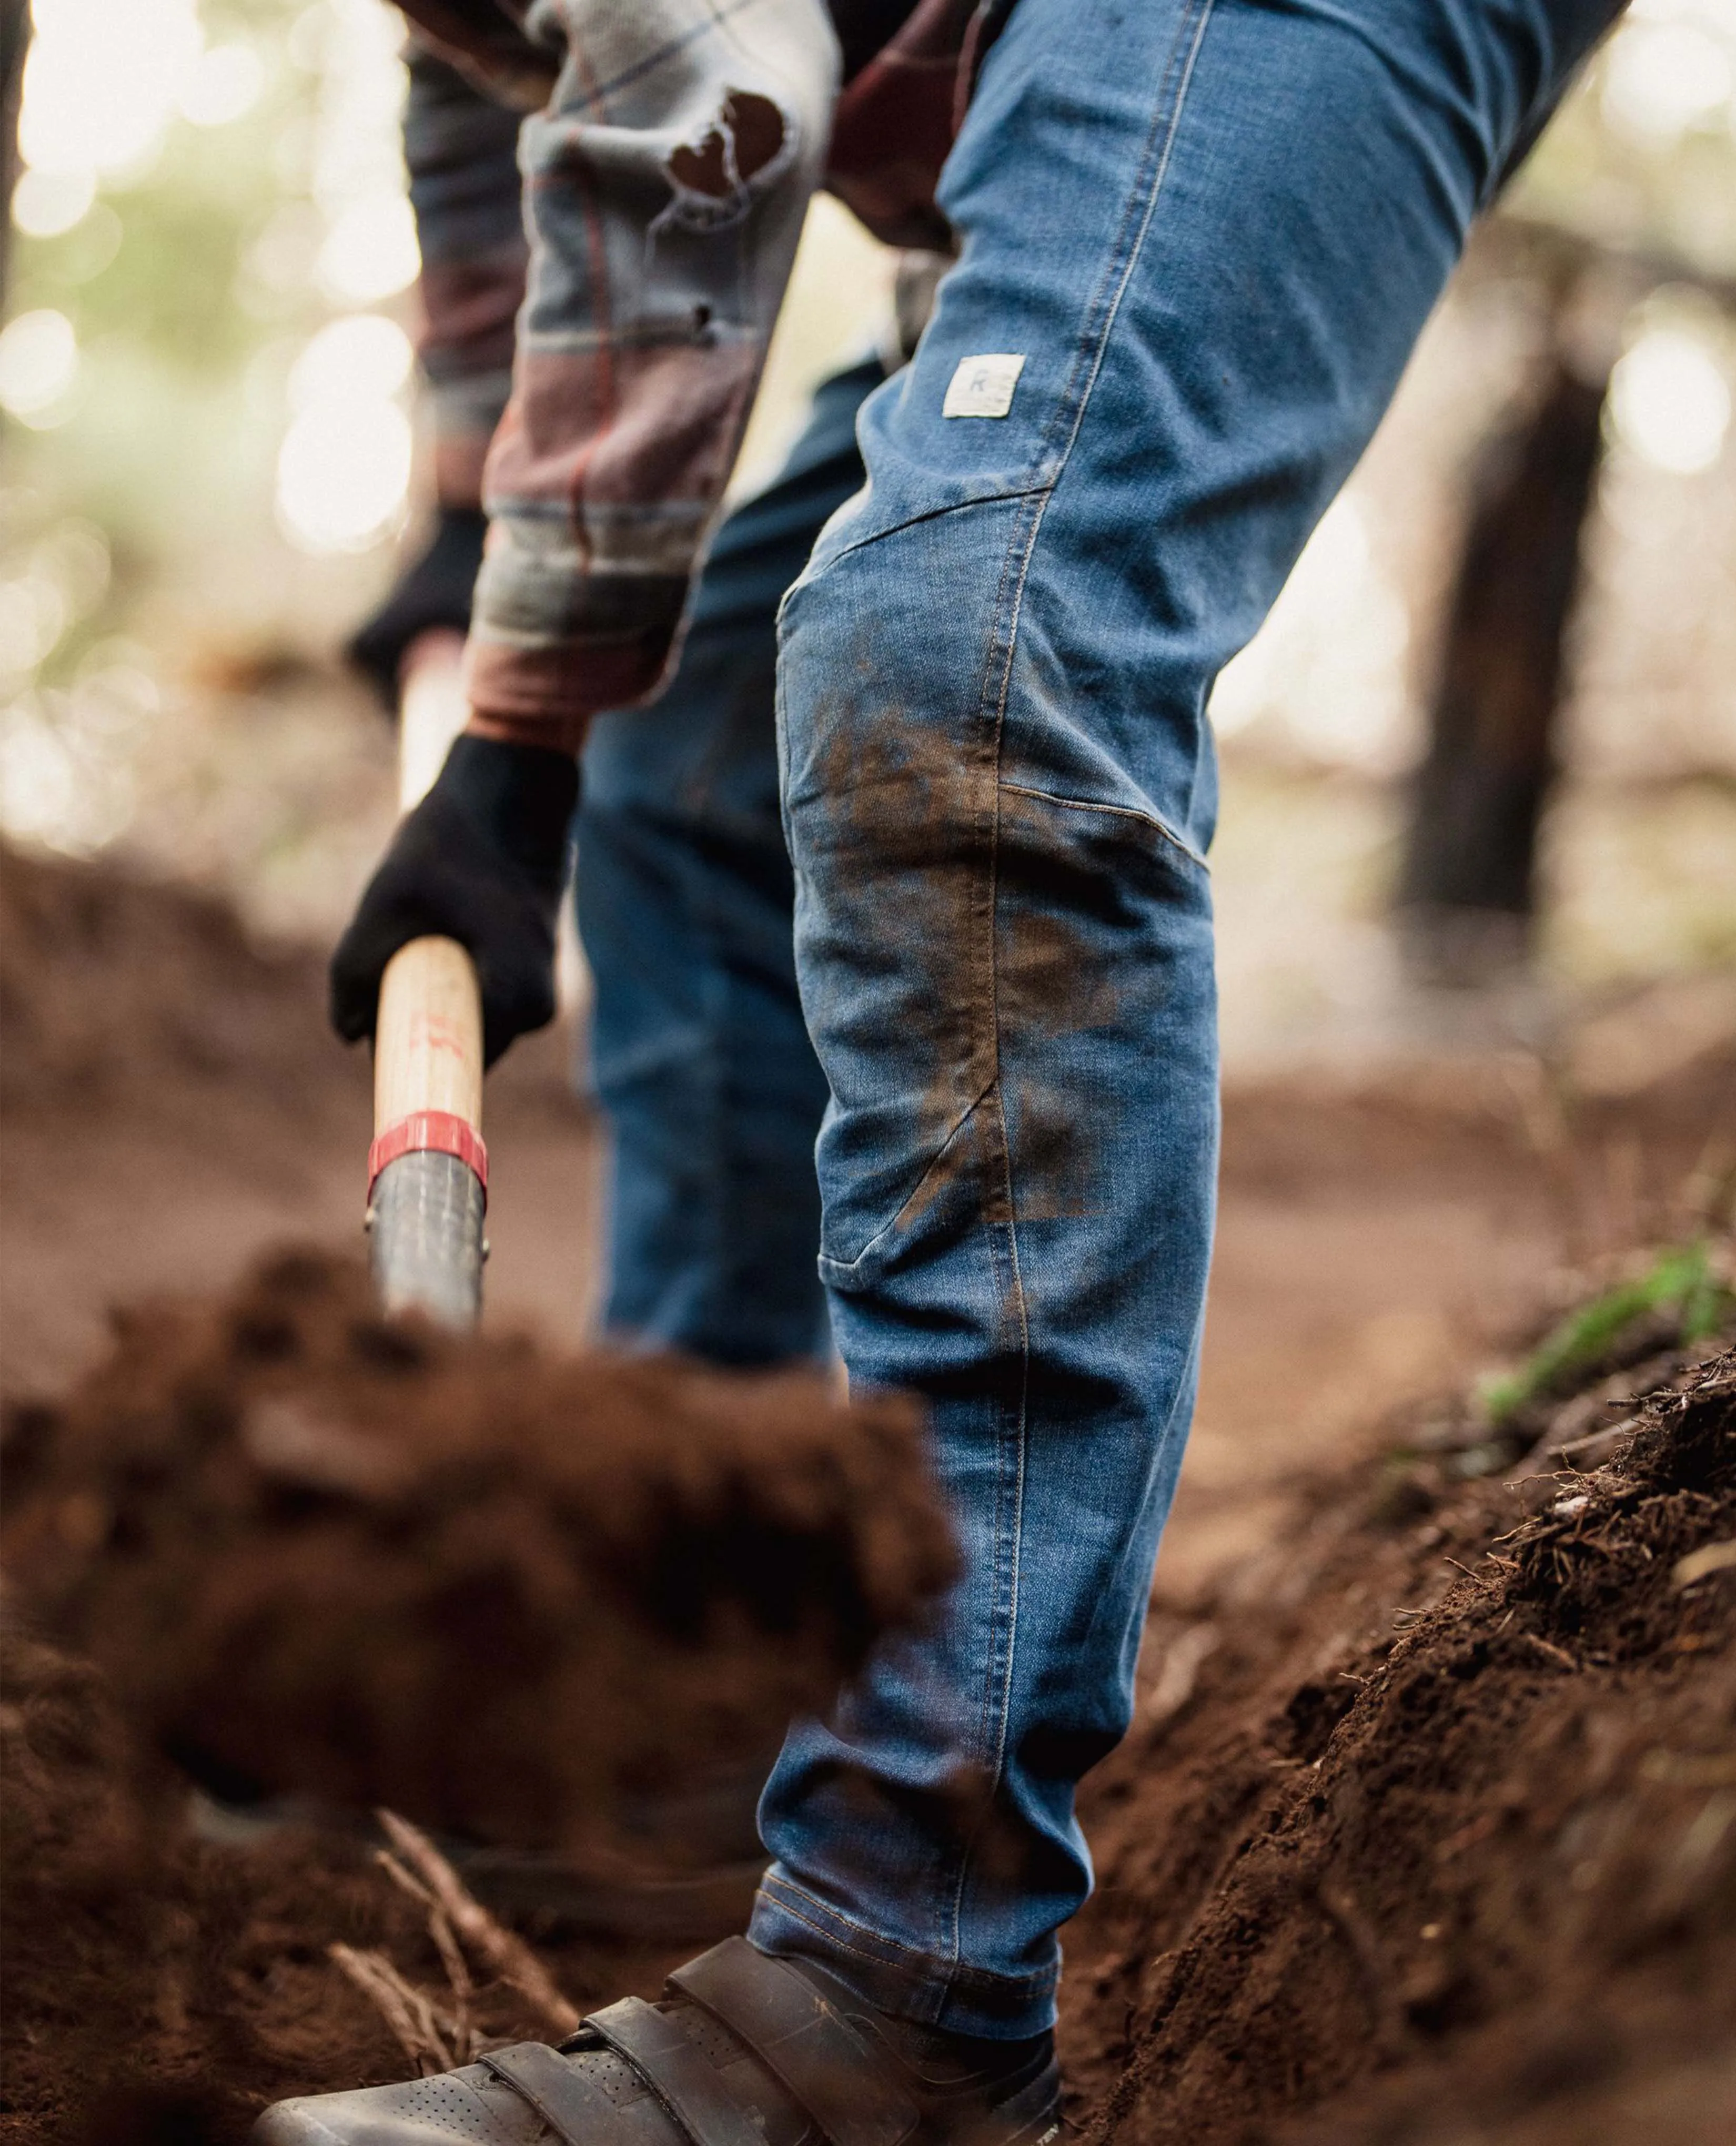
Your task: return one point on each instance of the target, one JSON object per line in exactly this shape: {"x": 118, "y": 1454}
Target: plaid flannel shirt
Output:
{"x": 668, "y": 157}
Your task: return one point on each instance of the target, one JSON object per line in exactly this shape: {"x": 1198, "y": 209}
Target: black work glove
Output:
{"x": 434, "y": 590}
{"x": 480, "y": 859}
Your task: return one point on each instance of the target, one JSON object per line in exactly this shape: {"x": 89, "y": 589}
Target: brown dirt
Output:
{"x": 114, "y": 988}
{"x": 162, "y": 1986}
{"x": 1426, "y": 1835}
{"x": 1397, "y": 1854}
{"x": 1429, "y": 1832}
{"x": 298, "y": 1537}
{"x": 175, "y": 1104}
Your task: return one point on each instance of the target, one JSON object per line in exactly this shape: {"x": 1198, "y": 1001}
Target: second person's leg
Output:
{"x": 700, "y": 1055}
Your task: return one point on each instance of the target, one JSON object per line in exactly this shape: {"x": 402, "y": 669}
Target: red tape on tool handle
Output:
{"x": 423, "y": 1132}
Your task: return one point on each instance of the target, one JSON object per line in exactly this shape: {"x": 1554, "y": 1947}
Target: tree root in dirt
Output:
{"x": 434, "y": 2036}
{"x": 453, "y": 1915}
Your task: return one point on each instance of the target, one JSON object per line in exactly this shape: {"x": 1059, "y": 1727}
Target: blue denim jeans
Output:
{"x": 698, "y": 1054}
{"x": 1199, "y": 237}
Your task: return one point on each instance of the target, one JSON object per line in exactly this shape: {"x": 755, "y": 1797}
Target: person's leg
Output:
{"x": 701, "y": 1058}
{"x": 1199, "y": 239}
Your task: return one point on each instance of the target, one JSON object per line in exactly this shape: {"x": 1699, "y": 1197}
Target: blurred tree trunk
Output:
{"x": 14, "y": 37}
{"x": 1467, "y": 888}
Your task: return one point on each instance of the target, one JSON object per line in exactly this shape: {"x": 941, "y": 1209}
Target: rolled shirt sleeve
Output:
{"x": 665, "y": 183}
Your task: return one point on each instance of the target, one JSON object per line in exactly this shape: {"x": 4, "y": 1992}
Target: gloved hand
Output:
{"x": 480, "y": 859}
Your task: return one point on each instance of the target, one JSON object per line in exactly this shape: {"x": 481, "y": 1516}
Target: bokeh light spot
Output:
{"x": 39, "y": 363}
{"x": 102, "y": 81}
{"x": 343, "y": 472}
{"x": 1662, "y": 78}
{"x": 224, "y": 87}
{"x": 1671, "y": 403}
{"x": 371, "y": 251}
{"x": 363, "y": 355}
{"x": 44, "y": 204}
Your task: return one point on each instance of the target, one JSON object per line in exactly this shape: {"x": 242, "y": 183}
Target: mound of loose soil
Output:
{"x": 315, "y": 1552}
{"x": 1429, "y": 1832}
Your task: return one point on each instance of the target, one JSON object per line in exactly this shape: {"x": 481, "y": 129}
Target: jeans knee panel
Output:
{"x": 970, "y": 947}
{"x": 890, "y": 746}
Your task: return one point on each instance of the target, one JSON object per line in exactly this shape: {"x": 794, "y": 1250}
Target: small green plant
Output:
{"x": 1684, "y": 1278}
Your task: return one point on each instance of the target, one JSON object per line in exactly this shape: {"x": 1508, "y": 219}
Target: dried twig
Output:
{"x": 1550, "y": 1651}
{"x": 403, "y": 1880}
{"x": 505, "y": 1954}
{"x": 457, "y": 1973}
{"x": 422, "y": 2032}
{"x": 439, "y": 1929}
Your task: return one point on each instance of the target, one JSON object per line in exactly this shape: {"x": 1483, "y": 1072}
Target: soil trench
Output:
{"x": 1429, "y": 1830}
{"x": 1426, "y": 1829}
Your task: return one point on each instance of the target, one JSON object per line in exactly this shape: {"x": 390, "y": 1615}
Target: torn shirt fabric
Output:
{"x": 666, "y": 172}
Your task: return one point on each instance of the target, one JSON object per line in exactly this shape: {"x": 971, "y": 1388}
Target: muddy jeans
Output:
{"x": 1199, "y": 239}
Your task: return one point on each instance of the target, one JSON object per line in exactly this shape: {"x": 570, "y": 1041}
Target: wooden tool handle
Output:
{"x": 428, "y": 1042}
{"x": 428, "y": 1169}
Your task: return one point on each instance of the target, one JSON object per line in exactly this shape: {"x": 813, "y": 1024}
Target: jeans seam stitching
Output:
{"x": 1120, "y": 812}
{"x": 1089, "y": 351}
{"x": 1003, "y": 1612}
{"x": 885, "y": 1228}
{"x": 1168, "y": 129}
{"x": 774, "y": 1891}
{"x": 1022, "y": 549}
{"x": 1034, "y": 487}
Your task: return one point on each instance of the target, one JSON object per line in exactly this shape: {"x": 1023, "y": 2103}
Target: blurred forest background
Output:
{"x": 1481, "y": 767}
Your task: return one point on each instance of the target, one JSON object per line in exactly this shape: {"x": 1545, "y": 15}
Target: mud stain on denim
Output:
{"x": 1059, "y": 961}
{"x": 1061, "y": 1126}
{"x": 895, "y": 830}
{"x": 991, "y": 938}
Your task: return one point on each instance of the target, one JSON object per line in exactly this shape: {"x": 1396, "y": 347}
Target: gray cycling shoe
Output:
{"x": 743, "y": 2050}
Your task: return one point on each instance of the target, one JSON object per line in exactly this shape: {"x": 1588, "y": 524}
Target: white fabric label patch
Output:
{"x": 983, "y": 387}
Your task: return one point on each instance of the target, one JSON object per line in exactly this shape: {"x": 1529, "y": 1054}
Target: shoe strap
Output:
{"x": 841, "y": 2081}
{"x": 573, "y": 2108}
{"x": 690, "y": 2086}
